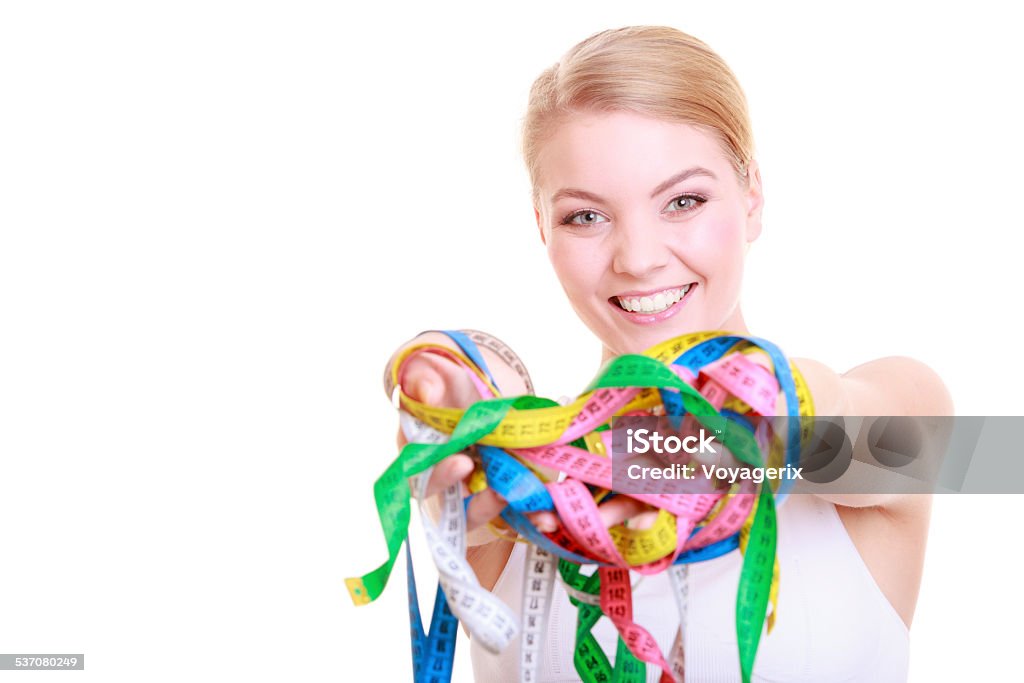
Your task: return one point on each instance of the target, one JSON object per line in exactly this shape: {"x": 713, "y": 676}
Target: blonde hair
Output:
{"x": 651, "y": 70}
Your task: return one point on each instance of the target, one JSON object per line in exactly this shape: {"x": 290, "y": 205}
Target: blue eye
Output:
{"x": 584, "y": 217}
{"x": 686, "y": 202}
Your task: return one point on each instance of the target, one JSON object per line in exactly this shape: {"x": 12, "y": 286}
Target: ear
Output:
{"x": 755, "y": 200}
{"x": 540, "y": 225}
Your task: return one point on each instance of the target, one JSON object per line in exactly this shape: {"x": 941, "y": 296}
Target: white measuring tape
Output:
{"x": 487, "y": 618}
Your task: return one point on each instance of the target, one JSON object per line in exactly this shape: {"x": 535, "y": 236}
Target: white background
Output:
{"x": 219, "y": 219}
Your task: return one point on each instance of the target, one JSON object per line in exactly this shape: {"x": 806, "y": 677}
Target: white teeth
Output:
{"x": 652, "y": 304}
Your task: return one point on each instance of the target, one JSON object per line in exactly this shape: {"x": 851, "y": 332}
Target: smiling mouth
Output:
{"x": 651, "y": 304}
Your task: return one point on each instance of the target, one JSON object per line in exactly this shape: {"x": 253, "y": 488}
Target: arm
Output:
{"x": 888, "y": 386}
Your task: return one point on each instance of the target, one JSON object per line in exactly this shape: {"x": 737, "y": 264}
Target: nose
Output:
{"x": 638, "y": 248}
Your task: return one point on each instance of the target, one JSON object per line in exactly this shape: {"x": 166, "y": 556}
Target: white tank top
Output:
{"x": 833, "y": 624}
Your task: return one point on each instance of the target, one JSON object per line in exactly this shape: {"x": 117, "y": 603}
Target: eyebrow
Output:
{"x": 677, "y": 178}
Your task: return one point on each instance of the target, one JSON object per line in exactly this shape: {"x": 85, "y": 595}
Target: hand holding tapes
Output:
{"x": 434, "y": 379}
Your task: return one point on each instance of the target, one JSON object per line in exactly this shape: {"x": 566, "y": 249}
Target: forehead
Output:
{"x": 619, "y": 152}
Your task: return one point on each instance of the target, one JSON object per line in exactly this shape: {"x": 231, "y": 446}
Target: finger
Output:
{"x": 484, "y": 507}
{"x": 710, "y": 459}
{"x": 544, "y": 521}
{"x": 451, "y": 470}
{"x": 620, "y": 508}
{"x": 422, "y": 382}
{"x": 720, "y": 457}
{"x": 437, "y": 381}
{"x": 643, "y": 520}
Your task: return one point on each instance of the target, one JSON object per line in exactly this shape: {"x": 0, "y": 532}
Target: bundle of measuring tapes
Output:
{"x": 705, "y": 379}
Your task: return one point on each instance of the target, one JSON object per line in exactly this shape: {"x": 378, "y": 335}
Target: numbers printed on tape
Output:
{"x": 696, "y": 376}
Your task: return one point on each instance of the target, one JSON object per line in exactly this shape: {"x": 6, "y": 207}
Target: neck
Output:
{"x": 733, "y": 323}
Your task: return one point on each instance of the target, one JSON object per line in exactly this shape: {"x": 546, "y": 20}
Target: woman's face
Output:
{"x": 647, "y": 226}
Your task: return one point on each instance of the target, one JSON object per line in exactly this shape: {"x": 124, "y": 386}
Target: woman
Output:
{"x": 647, "y": 197}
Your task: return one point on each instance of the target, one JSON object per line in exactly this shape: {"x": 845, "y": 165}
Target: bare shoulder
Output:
{"x": 894, "y": 385}
{"x": 897, "y": 385}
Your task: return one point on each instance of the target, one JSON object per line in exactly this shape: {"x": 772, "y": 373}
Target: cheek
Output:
{"x": 573, "y": 266}
{"x": 717, "y": 247}
{"x": 727, "y": 228}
